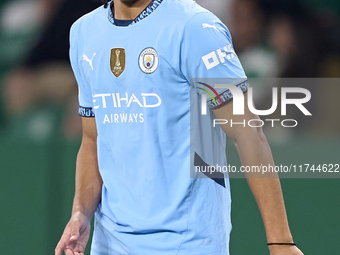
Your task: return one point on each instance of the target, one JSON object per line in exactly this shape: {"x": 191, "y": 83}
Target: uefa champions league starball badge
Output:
{"x": 148, "y": 60}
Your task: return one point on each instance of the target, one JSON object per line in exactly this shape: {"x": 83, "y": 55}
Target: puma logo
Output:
{"x": 89, "y": 60}
{"x": 206, "y": 25}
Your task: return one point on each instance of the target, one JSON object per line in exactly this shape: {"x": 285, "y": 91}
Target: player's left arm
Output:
{"x": 254, "y": 150}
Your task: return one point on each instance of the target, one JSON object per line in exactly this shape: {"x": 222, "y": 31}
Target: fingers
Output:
{"x": 75, "y": 228}
{"x": 78, "y": 253}
{"x": 60, "y": 247}
{"x": 70, "y": 252}
{"x": 64, "y": 241}
{"x": 68, "y": 242}
{"x": 58, "y": 251}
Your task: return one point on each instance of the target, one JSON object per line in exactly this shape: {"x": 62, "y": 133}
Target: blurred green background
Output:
{"x": 40, "y": 129}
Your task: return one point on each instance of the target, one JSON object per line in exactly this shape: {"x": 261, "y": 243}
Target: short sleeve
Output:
{"x": 207, "y": 52}
{"x": 84, "y": 89}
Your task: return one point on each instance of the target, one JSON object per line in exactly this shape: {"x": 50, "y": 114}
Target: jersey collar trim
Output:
{"x": 145, "y": 13}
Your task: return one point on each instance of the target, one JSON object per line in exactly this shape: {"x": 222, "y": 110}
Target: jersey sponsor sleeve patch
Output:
{"x": 218, "y": 95}
{"x": 86, "y": 112}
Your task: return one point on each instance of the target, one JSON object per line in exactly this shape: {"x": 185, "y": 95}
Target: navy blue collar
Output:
{"x": 122, "y": 23}
{"x": 145, "y": 13}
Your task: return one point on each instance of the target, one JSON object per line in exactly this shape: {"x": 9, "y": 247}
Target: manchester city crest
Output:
{"x": 148, "y": 60}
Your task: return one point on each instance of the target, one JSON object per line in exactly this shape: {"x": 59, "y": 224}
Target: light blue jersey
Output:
{"x": 135, "y": 81}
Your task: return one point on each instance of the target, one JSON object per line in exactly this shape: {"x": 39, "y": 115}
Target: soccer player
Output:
{"x": 133, "y": 61}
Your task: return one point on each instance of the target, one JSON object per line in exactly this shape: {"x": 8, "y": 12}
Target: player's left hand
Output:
{"x": 284, "y": 250}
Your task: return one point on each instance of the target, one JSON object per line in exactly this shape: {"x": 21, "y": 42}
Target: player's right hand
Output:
{"x": 75, "y": 236}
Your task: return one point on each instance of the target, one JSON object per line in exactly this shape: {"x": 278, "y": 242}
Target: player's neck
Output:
{"x": 124, "y": 11}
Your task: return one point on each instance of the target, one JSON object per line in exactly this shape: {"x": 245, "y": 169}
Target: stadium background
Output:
{"x": 40, "y": 131}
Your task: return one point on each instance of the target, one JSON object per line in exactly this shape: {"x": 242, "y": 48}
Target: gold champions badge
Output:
{"x": 117, "y": 61}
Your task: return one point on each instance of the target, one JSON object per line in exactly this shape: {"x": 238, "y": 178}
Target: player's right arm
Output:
{"x": 87, "y": 194}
